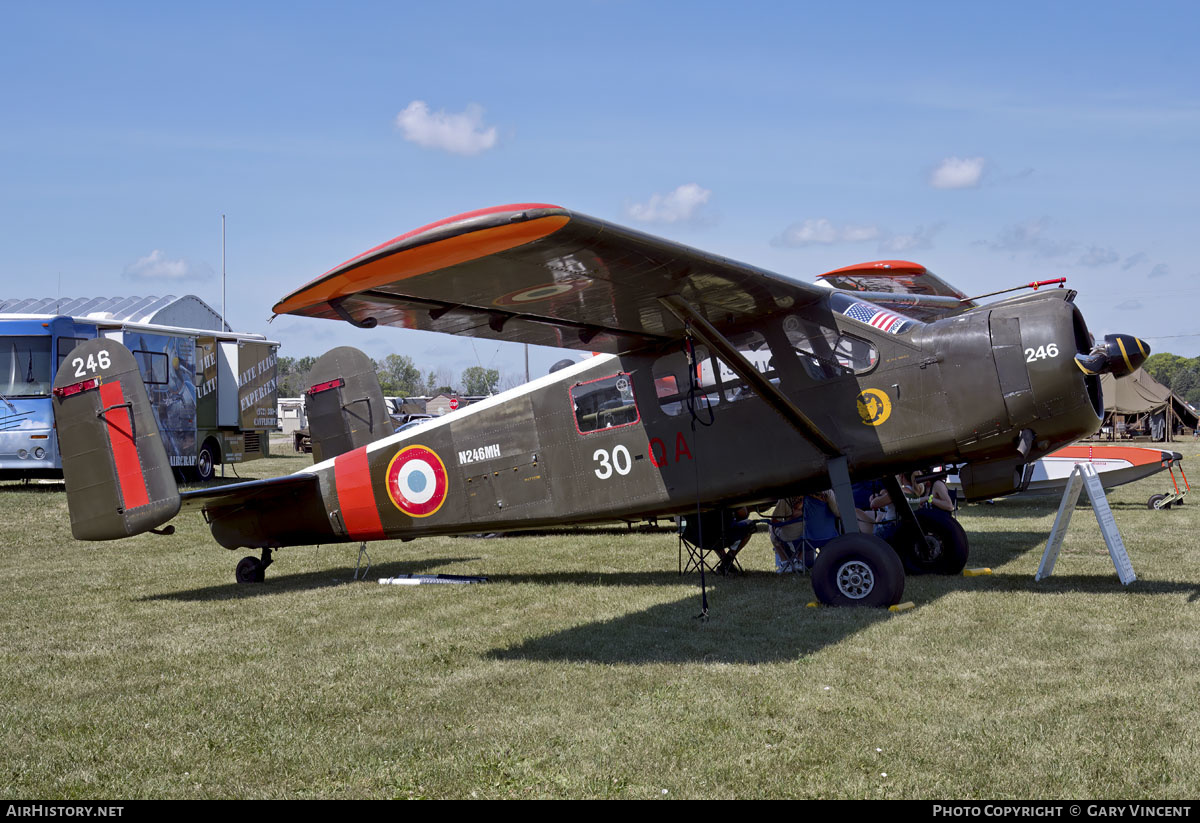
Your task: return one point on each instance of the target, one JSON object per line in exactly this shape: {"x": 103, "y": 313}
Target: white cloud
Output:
{"x": 1134, "y": 260}
{"x": 1030, "y": 236}
{"x": 821, "y": 231}
{"x": 1161, "y": 270}
{"x": 920, "y": 238}
{"x": 462, "y": 133}
{"x": 1096, "y": 256}
{"x": 156, "y": 266}
{"x": 679, "y": 206}
{"x": 957, "y": 173}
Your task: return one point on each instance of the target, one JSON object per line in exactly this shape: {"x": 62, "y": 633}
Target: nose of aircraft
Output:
{"x": 1120, "y": 355}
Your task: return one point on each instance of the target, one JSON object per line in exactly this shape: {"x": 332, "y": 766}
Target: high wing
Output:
{"x": 902, "y": 286}
{"x": 536, "y": 273}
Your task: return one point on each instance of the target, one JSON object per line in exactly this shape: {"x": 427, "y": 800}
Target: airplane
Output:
{"x": 896, "y": 375}
{"x": 1115, "y": 465}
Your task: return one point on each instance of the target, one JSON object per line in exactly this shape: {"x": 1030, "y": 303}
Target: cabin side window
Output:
{"x": 814, "y": 346}
{"x": 826, "y": 353}
{"x": 753, "y": 347}
{"x": 602, "y": 404}
{"x": 674, "y": 378}
{"x": 856, "y": 354}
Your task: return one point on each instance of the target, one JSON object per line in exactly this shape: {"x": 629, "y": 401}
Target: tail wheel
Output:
{"x": 250, "y": 570}
{"x": 946, "y": 546}
{"x": 858, "y": 570}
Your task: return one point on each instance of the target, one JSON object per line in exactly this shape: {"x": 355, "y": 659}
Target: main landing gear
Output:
{"x": 252, "y": 570}
{"x": 858, "y": 570}
{"x": 944, "y": 550}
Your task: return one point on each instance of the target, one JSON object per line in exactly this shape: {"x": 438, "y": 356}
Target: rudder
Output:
{"x": 119, "y": 480}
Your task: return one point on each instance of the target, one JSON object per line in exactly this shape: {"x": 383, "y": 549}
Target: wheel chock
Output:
{"x": 984, "y": 572}
{"x": 902, "y": 607}
{"x": 812, "y": 604}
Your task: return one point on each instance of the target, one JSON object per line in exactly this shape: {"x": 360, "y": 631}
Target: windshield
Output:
{"x": 25, "y": 366}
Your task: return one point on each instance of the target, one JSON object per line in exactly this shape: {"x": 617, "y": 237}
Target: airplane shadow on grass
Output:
{"x": 281, "y": 583}
{"x": 757, "y": 617}
{"x": 760, "y": 617}
{"x": 748, "y": 626}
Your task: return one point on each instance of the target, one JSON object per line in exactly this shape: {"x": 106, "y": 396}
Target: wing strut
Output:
{"x": 835, "y": 460}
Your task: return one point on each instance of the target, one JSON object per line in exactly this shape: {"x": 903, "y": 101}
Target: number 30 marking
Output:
{"x": 99, "y": 360}
{"x": 621, "y": 461}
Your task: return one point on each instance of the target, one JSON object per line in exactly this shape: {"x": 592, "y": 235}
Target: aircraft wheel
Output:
{"x": 1155, "y": 499}
{"x": 858, "y": 570}
{"x": 948, "y": 545}
{"x": 250, "y": 570}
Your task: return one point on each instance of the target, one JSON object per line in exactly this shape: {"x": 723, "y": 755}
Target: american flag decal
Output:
{"x": 881, "y": 319}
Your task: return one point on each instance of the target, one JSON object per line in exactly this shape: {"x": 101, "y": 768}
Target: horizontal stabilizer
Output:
{"x": 265, "y": 514}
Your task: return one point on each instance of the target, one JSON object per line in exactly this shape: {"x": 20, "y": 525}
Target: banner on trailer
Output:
{"x": 257, "y": 386}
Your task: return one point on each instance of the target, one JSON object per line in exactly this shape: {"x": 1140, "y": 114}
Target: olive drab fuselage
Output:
{"x": 649, "y": 433}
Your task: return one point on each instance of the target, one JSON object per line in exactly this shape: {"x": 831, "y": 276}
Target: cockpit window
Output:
{"x": 826, "y": 353}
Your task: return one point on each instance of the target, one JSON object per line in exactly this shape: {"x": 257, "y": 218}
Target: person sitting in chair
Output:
{"x": 725, "y": 532}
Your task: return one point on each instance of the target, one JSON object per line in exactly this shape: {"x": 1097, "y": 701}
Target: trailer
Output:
{"x": 213, "y": 390}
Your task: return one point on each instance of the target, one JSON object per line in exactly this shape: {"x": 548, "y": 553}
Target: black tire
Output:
{"x": 858, "y": 570}
{"x": 250, "y": 570}
{"x": 946, "y": 546}
{"x": 1152, "y": 503}
{"x": 206, "y": 462}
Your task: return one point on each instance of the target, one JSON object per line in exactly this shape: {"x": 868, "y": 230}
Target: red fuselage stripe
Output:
{"x": 352, "y": 478}
{"x": 124, "y": 451}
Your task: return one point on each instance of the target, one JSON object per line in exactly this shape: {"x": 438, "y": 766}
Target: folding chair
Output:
{"x": 820, "y": 526}
{"x": 712, "y": 541}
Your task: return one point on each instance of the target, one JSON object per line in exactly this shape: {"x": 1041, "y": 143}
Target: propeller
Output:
{"x": 1120, "y": 355}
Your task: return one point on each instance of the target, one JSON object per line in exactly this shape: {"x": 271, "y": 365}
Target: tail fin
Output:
{"x": 345, "y": 405}
{"x": 119, "y": 481}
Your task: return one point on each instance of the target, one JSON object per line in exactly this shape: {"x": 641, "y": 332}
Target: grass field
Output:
{"x": 140, "y": 669}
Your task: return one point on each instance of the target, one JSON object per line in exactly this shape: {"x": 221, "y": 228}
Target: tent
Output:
{"x": 1144, "y": 403}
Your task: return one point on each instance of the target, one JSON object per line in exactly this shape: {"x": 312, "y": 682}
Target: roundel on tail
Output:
{"x": 417, "y": 481}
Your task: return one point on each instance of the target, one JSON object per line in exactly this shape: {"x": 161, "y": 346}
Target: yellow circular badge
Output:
{"x": 874, "y": 408}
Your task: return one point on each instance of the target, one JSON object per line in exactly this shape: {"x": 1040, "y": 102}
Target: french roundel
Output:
{"x": 542, "y": 292}
{"x": 416, "y": 481}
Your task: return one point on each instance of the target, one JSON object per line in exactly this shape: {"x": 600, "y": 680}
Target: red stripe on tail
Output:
{"x": 130, "y": 478}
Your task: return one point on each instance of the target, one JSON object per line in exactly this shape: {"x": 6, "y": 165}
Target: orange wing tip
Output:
{"x": 406, "y": 256}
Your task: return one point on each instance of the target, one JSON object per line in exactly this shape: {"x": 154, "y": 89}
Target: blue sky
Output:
{"x": 994, "y": 143}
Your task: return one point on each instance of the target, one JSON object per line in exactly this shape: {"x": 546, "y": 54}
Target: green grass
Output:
{"x": 139, "y": 669}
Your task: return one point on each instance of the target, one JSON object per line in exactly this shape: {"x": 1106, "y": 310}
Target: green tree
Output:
{"x": 398, "y": 375}
{"x": 478, "y": 380}
{"x": 293, "y": 375}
